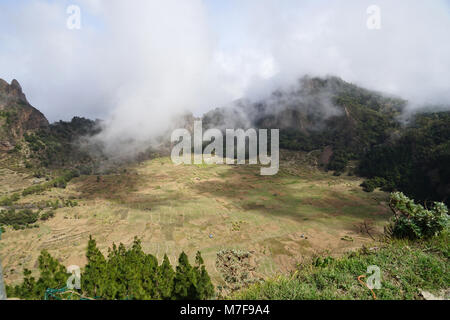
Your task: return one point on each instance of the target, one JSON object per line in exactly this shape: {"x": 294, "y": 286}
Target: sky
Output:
{"x": 137, "y": 63}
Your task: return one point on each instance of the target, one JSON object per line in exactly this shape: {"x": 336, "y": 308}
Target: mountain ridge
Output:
{"x": 17, "y": 115}
{"x": 342, "y": 123}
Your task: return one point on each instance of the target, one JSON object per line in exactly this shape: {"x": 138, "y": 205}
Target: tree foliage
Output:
{"x": 416, "y": 163}
{"x": 55, "y": 145}
{"x": 413, "y": 221}
{"x": 18, "y": 218}
{"x": 122, "y": 275}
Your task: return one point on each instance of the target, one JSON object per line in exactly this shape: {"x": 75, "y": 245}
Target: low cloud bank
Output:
{"x": 139, "y": 65}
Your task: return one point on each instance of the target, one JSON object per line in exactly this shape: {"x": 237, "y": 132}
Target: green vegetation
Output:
{"x": 351, "y": 120}
{"x": 60, "y": 182}
{"x": 367, "y": 119}
{"x": 363, "y": 137}
{"x": 351, "y": 135}
{"x": 8, "y": 201}
{"x": 26, "y": 218}
{"x": 371, "y": 184}
{"x": 365, "y": 126}
{"x": 413, "y": 221}
{"x": 123, "y": 274}
{"x": 55, "y": 145}
{"x": 53, "y": 275}
{"x": 47, "y": 215}
{"x": 191, "y": 283}
{"x": 18, "y": 219}
{"x": 417, "y": 261}
{"x": 416, "y": 163}
{"x": 235, "y": 269}
{"x": 10, "y": 116}
{"x": 406, "y": 268}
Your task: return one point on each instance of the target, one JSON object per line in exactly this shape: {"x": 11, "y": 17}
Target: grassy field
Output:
{"x": 408, "y": 270}
{"x": 282, "y": 220}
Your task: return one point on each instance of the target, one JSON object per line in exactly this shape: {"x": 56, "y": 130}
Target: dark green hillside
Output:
{"x": 418, "y": 163}
{"x": 58, "y": 145}
{"x": 319, "y": 113}
{"x": 346, "y": 123}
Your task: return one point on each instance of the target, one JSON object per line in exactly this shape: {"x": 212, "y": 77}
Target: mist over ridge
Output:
{"x": 137, "y": 67}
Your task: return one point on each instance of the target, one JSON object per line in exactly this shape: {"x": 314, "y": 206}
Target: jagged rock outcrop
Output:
{"x": 17, "y": 116}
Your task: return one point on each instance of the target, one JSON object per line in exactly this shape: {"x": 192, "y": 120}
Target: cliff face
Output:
{"x": 17, "y": 116}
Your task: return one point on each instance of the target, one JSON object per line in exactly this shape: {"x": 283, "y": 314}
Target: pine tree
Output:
{"x": 205, "y": 288}
{"x": 53, "y": 273}
{"x": 95, "y": 273}
{"x": 53, "y": 276}
{"x": 139, "y": 272}
{"x": 150, "y": 275}
{"x": 185, "y": 280}
{"x": 124, "y": 274}
{"x": 116, "y": 286}
{"x": 27, "y": 290}
{"x": 198, "y": 259}
{"x": 165, "y": 282}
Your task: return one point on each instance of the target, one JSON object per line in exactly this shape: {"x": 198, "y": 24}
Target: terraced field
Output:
{"x": 281, "y": 219}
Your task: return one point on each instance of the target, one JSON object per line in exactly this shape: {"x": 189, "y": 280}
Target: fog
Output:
{"x": 136, "y": 65}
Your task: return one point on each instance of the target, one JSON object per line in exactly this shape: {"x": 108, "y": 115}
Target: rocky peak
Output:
{"x": 17, "y": 116}
{"x": 11, "y": 91}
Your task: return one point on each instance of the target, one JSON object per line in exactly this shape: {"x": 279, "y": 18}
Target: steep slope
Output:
{"x": 417, "y": 162}
{"x": 17, "y": 116}
{"x": 345, "y": 122}
{"x": 317, "y": 114}
{"x": 27, "y": 136}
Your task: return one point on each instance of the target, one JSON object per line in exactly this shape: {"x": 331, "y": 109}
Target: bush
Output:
{"x": 413, "y": 221}
{"x": 237, "y": 268}
{"x": 60, "y": 182}
{"x": 8, "y": 201}
{"x": 18, "y": 219}
{"x": 70, "y": 203}
{"x": 39, "y": 174}
{"x": 53, "y": 204}
{"x": 371, "y": 184}
{"x": 339, "y": 162}
{"x": 47, "y": 215}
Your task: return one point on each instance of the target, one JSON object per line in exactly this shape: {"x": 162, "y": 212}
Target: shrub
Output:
{"x": 237, "y": 268}
{"x": 60, "y": 182}
{"x": 47, "y": 215}
{"x": 321, "y": 262}
{"x": 371, "y": 184}
{"x": 338, "y": 162}
{"x": 8, "y": 201}
{"x": 413, "y": 221}
{"x": 39, "y": 174}
{"x": 70, "y": 203}
{"x": 18, "y": 219}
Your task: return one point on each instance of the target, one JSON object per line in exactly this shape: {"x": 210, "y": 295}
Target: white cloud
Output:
{"x": 136, "y": 64}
